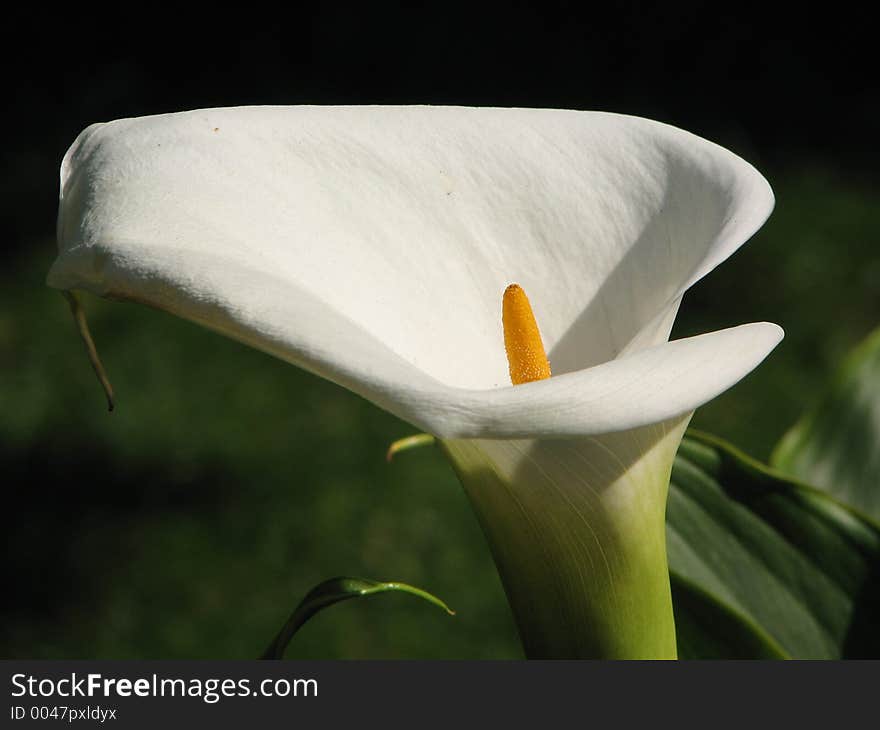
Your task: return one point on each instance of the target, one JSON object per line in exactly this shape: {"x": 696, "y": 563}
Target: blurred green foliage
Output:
{"x": 188, "y": 523}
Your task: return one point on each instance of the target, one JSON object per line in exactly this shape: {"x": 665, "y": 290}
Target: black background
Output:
{"x": 771, "y": 81}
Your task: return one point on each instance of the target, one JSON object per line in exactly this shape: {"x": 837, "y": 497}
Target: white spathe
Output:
{"x": 371, "y": 245}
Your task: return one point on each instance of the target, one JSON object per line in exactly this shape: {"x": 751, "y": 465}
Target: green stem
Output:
{"x": 577, "y": 530}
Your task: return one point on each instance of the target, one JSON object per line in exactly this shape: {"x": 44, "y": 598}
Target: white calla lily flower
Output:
{"x": 371, "y": 245}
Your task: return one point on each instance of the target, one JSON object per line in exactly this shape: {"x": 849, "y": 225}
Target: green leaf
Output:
{"x": 415, "y": 441}
{"x": 763, "y": 565}
{"x": 333, "y": 591}
{"x": 836, "y": 446}
{"x": 707, "y": 627}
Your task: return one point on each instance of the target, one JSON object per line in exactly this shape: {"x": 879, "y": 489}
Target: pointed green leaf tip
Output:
{"x": 333, "y": 591}
{"x": 82, "y": 326}
{"x": 410, "y": 442}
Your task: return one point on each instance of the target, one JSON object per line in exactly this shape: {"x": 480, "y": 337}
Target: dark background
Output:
{"x": 188, "y": 523}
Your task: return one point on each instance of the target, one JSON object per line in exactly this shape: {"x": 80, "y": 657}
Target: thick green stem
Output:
{"x": 577, "y": 530}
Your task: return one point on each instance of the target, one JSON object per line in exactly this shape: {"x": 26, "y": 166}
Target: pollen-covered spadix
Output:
{"x": 526, "y": 357}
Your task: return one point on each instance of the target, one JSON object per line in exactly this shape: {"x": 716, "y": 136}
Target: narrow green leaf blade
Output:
{"x": 415, "y": 441}
{"x": 782, "y": 556}
{"x": 836, "y": 446}
{"x": 333, "y": 591}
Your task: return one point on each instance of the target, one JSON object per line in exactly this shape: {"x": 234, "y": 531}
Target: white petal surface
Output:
{"x": 653, "y": 385}
{"x": 371, "y": 245}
